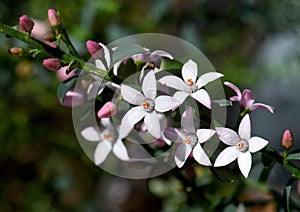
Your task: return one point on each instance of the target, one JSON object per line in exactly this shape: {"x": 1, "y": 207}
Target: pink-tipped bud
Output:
{"x": 53, "y": 18}
{"x": 15, "y": 51}
{"x": 25, "y": 24}
{"x": 52, "y": 64}
{"x": 94, "y": 49}
{"x": 287, "y": 139}
{"x": 109, "y": 109}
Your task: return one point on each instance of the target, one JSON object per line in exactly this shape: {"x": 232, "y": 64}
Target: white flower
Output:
{"x": 241, "y": 146}
{"x": 109, "y": 138}
{"x": 189, "y": 140}
{"x": 189, "y": 86}
{"x": 148, "y": 106}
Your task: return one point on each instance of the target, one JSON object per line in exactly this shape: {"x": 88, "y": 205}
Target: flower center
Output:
{"x": 191, "y": 139}
{"x": 191, "y": 85}
{"x": 107, "y": 135}
{"x": 242, "y": 145}
{"x": 148, "y": 105}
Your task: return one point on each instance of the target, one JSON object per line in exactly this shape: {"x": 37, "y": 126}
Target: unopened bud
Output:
{"x": 287, "y": 139}
{"x": 109, "y": 109}
{"x": 94, "y": 49}
{"x": 52, "y": 64}
{"x": 25, "y": 24}
{"x": 53, "y": 18}
{"x": 15, "y": 51}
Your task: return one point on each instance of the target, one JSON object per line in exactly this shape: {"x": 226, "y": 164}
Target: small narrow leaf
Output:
{"x": 295, "y": 156}
{"x": 222, "y": 102}
{"x": 286, "y": 198}
{"x": 64, "y": 87}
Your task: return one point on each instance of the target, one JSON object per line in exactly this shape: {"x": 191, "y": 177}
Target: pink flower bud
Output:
{"x": 53, "y": 18}
{"x": 94, "y": 49}
{"x": 25, "y": 24}
{"x": 52, "y": 64}
{"x": 15, "y": 51}
{"x": 287, "y": 139}
{"x": 109, "y": 109}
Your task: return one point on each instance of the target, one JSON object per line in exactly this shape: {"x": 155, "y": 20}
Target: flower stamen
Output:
{"x": 190, "y": 139}
{"x": 190, "y": 82}
{"x": 148, "y": 105}
{"x": 242, "y": 145}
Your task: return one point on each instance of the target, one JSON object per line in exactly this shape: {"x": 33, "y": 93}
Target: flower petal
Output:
{"x": 99, "y": 64}
{"x": 174, "y": 82}
{"x": 149, "y": 85}
{"x": 247, "y": 98}
{"x": 161, "y": 53}
{"x": 200, "y": 156}
{"x": 187, "y": 121}
{"x": 165, "y": 103}
{"x": 245, "y": 128}
{"x": 256, "y": 106}
{"x": 257, "y": 143}
{"x": 131, "y": 95}
{"x": 208, "y": 77}
{"x": 95, "y": 89}
{"x": 228, "y": 155}
{"x": 120, "y": 150}
{"x": 202, "y": 97}
{"x": 91, "y": 134}
{"x": 227, "y": 136}
{"x": 116, "y": 68}
{"x": 182, "y": 153}
{"x": 169, "y": 135}
{"x": 204, "y": 135}
{"x": 133, "y": 116}
{"x": 181, "y": 96}
{"x": 189, "y": 71}
{"x": 101, "y": 152}
{"x": 107, "y": 55}
{"x": 235, "y": 89}
{"x": 245, "y": 162}
{"x": 152, "y": 124}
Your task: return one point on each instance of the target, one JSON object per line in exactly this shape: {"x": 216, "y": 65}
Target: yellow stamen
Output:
{"x": 145, "y": 105}
{"x": 190, "y": 82}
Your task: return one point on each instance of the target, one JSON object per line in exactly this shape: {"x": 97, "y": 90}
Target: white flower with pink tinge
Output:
{"x": 189, "y": 141}
{"x": 148, "y": 106}
{"x": 109, "y": 138}
{"x": 189, "y": 86}
{"x": 241, "y": 146}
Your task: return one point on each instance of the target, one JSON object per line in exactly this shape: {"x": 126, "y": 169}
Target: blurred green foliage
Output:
{"x": 42, "y": 166}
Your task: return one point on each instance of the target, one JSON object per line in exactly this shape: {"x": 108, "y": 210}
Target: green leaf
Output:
{"x": 126, "y": 51}
{"x": 295, "y": 156}
{"x": 287, "y": 193}
{"x": 223, "y": 102}
{"x": 64, "y": 87}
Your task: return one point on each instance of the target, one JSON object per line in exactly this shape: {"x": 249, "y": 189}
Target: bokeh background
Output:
{"x": 254, "y": 43}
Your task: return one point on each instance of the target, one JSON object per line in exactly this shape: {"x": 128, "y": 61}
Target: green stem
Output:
{"x": 67, "y": 41}
{"x": 53, "y": 52}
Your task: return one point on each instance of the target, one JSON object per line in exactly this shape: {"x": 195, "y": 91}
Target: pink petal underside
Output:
{"x": 149, "y": 86}
{"x": 228, "y": 155}
{"x": 202, "y": 97}
{"x": 257, "y": 143}
{"x": 102, "y": 151}
{"x": 120, "y": 150}
{"x": 165, "y": 103}
{"x": 187, "y": 121}
{"x": 247, "y": 98}
{"x": 169, "y": 135}
{"x": 161, "y": 54}
{"x": 152, "y": 124}
{"x": 227, "y": 136}
{"x": 207, "y": 78}
{"x": 189, "y": 71}
{"x": 181, "y": 96}
{"x": 133, "y": 116}
{"x": 245, "y": 162}
{"x": 235, "y": 89}
{"x": 131, "y": 95}
{"x": 256, "y": 106}
{"x": 204, "y": 135}
{"x": 74, "y": 98}
{"x": 182, "y": 153}
{"x": 91, "y": 134}
{"x": 245, "y": 128}
{"x": 174, "y": 82}
{"x": 200, "y": 156}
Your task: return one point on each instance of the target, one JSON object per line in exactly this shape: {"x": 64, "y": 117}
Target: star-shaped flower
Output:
{"x": 246, "y": 99}
{"x": 241, "y": 146}
{"x": 189, "y": 140}
{"x": 189, "y": 86}
{"x": 109, "y": 138}
{"x": 148, "y": 106}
